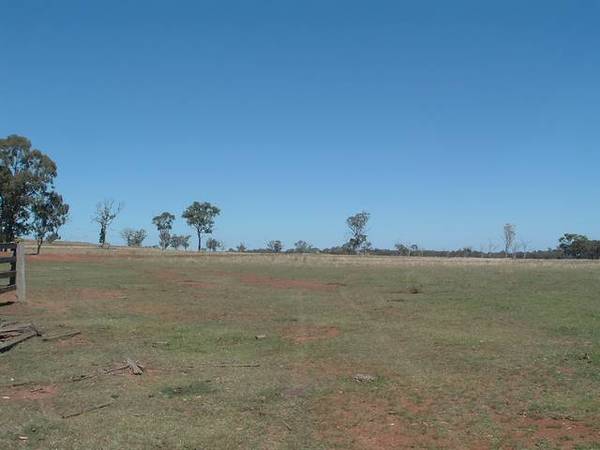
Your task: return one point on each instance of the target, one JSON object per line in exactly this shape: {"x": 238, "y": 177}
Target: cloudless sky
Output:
{"x": 442, "y": 119}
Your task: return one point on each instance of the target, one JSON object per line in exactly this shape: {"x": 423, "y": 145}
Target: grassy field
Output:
{"x": 466, "y": 353}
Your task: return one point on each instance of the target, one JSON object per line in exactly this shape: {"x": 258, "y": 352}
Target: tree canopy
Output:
{"x": 275, "y": 246}
{"x": 357, "y": 225}
{"x": 579, "y": 246}
{"x": 164, "y": 224}
{"x": 50, "y": 212}
{"x": 201, "y": 216}
{"x": 133, "y": 238}
{"x": 26, "y": 176}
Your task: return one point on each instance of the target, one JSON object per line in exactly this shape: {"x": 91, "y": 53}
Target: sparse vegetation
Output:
{"x": 450, "y": 343}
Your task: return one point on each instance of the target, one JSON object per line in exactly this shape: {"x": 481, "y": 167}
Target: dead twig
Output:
{"x": 228, "y": 365}
{"x": 77, "y": 378}
{"x": 116, "y": 369}
{"x": 61, "y": 336}
{"x": 93, "y": 408}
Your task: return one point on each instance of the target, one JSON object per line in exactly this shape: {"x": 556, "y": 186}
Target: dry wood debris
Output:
{"x": 11, "y": 333}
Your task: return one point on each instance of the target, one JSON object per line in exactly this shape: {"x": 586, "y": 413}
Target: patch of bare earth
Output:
{"x": 307, "y": 333}
{"x": 351, "y": 420}
{"x": 30, "y": 393}
{"x": 173, "y": 276}
{"x": 562, "y": 433}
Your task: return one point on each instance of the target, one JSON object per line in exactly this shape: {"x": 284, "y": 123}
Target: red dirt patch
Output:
{"x": 31, "y": 393}
{"x": 351, "y": 420}
{"x": 562, "y": 433}
{"x": 174, "y": 276}
{"x": 305, "y": 333}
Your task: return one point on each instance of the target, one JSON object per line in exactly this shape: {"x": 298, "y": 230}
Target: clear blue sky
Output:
{"x": 442, "y": 119}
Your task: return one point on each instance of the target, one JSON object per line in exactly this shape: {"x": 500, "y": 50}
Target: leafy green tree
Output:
{"x": 26, "y": 175}
{"x": 106, "y": 212}
{"x": 164, "y": 224}
{"x": 402, "y": 249}
{"x": 275, "y": 246}
{"x": 201, "y": 216}
{"x": 579, "y": 246}
{"x": 304, "y": 247}
{"x": 241, "y": 248}
{"x": 134, "y": 238}
{"x": 50, "y": 213}
{"x": 213, "y": 245}
{"x": 185, "y": 241}
{"x": 358, "y": 232}
{"x": 178, "y": 241}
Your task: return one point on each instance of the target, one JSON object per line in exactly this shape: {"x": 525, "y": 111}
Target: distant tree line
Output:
{"x": 30, "y": 206}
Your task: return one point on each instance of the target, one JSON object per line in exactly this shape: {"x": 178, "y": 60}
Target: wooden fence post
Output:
{"x": 21, "y": 271}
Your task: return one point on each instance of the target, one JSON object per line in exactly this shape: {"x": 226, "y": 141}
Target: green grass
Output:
{"x": 467, "y": 354}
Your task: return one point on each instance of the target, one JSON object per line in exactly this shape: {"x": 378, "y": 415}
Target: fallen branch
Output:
{"x": 61, "y": 336}
{"x": 228, "y": 365}
{"x": 15, "y": 327}
{"x": 77, "y": 378}
{"x": 93, "y": 408}
{"x": 116, "y": 369}
{"x": 14, "y": 341}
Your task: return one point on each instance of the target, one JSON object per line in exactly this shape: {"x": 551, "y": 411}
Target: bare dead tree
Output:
{"x": 106, "y": 212}
{"x": 492, "y": 246}
{"x": 509, "y": 236}
{"x": 524, "y": 247}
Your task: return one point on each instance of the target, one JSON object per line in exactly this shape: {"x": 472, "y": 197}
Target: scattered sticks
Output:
{"x": 135, "y": 368}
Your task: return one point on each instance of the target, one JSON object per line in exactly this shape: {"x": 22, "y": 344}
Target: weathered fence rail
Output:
{"x": 13, "y": 254}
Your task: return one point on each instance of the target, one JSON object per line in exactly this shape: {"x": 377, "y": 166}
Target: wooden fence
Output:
{"x": 13, "y": 254}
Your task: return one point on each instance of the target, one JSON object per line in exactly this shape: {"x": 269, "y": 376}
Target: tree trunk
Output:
{"x": 39, "y": 246}
{"x": 199, "y": 240}
{"x": 102, "y": 235}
